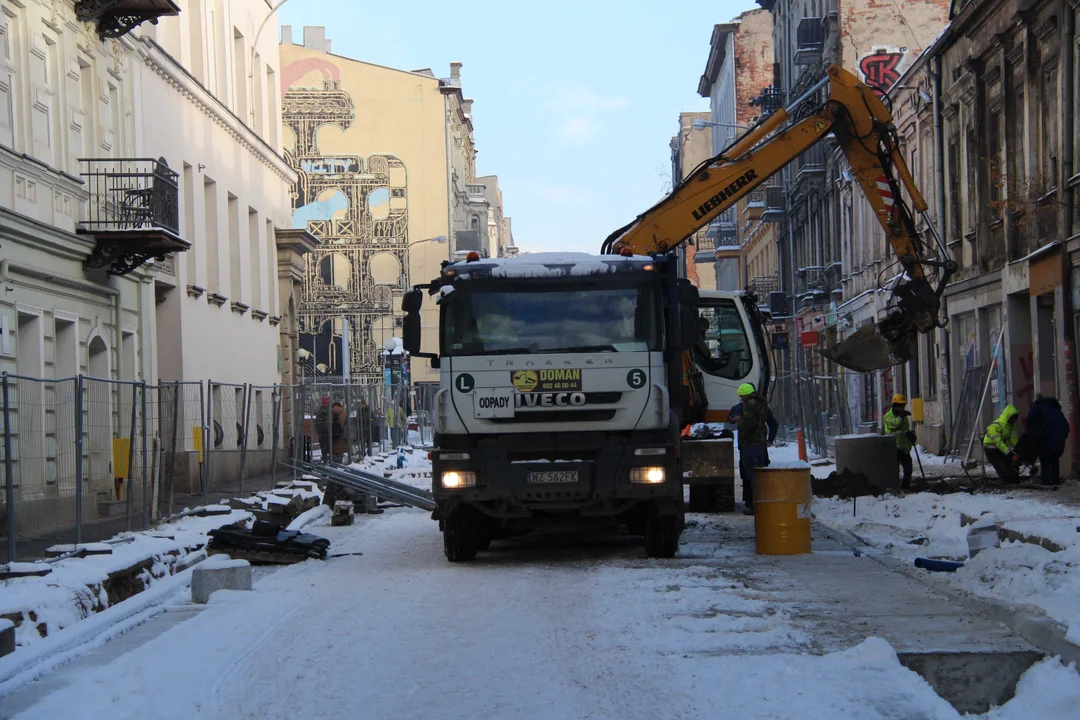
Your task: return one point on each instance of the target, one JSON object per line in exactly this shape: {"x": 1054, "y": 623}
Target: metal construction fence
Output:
{"x": 817, "y": 404}
{"x": 85, "y": 458}
{"x": 360, "y": 419}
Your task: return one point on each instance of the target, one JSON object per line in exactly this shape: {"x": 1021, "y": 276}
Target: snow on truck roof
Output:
{"x": 549, "y": 265}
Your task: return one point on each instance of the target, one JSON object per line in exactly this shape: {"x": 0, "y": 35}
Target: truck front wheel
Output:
{"x": 662, "y": 534}
{"x": 460, "y": 541}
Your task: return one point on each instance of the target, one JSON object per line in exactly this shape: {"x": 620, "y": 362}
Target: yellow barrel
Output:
{"x": 782, "y": 498}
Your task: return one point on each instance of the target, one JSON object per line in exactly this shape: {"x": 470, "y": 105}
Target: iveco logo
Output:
{"x": 548, "y": 361}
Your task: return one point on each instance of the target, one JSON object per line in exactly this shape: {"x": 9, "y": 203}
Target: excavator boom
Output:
{"x": 862, "y": 126}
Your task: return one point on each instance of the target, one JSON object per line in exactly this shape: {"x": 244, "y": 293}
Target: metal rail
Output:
{"x": 369, "y": 483}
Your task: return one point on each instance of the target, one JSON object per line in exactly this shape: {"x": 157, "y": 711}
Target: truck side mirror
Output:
{"x": 688, "y": 314}
{"x": 410, "y": 330}
{"x": 412, "y": 301}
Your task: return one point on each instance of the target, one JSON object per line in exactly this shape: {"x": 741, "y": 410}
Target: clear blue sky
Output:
{"x": 575, "y": 102}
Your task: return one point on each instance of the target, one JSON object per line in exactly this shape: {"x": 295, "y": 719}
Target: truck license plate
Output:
{"x": 547, "y": 477}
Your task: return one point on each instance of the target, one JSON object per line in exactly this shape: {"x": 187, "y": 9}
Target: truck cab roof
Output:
{"x": 547, "y": 265}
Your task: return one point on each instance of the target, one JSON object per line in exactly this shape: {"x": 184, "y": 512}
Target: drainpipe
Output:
{"x": 1068, "y": 196}
{"x": 939, "y": 196}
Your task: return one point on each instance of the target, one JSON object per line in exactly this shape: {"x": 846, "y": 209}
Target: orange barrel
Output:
{"x": 782, "y": 497}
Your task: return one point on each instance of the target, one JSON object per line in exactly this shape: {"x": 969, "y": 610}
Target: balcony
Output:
{"x": 723, "y": 233}
{"x": 775, "y": 204}
{"x": 755, "y": 203}
{"x": 809, "y": 41}
{"x": 475, "y": 193}
{"x": 810, "y": 163}
{"x": 134, "y": 213}
{"x": 116, "y": 18}
{"x": 762, "y": 285}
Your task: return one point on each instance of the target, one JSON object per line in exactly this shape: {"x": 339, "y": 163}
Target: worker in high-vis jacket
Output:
{"x": 897, "y": 423}
{"x": 998, "y": 443}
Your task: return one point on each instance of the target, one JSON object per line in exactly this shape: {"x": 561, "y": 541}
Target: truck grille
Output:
{"x": 546, "y": 416}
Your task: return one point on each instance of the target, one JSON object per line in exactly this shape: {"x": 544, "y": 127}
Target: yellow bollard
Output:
{"x": 782, "y": 498}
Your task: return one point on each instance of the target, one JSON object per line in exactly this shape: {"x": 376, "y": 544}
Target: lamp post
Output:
{"x": 702, "y": 124}
{"x": 251, "y": 63}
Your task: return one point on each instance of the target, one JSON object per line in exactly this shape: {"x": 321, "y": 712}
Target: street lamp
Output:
{"x": 251, "y": 66}
{"x": 437, "y": 239}
{"x": 702, "y": 124}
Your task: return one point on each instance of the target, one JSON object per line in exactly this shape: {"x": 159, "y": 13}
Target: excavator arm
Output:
{"x": 862, "y": 125}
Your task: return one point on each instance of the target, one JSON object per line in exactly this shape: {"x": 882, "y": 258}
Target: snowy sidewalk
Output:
{"x": 540, "y": 627}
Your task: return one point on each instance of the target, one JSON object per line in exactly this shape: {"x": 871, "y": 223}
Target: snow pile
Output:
{"x": 77, "y": 587}
{"x": 416, "y": 470}
{"x": 1025, "y": 574}
{"x": 1047, "y": 691}
{"x": 929, "y": 525}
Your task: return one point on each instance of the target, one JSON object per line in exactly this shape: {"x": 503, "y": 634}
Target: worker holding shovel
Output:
{"x": 898, "y": 424}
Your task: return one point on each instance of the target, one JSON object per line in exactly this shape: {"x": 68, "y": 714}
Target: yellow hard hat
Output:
{"x": 899, "y": 399}
{"x": 745, "y": 389}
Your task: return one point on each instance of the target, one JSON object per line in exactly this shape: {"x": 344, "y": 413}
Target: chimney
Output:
{"x": 286, "y": 34}
{"x": 455, "y": 70}
{"x": 315, "y": 38}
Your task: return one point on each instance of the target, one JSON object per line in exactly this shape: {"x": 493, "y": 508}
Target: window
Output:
{"x": 1049, "y": 130}
{"x": 954, "y": 231}
{"x": 723, "y": 348}
{"x": 255, "y": 258}
{"x": 521, "y": 320}
{"x": 995, "y": 168}
{"x": 235, "y": 278}
{"x": 930, "y": 364}
{"x": 210, "y": 211}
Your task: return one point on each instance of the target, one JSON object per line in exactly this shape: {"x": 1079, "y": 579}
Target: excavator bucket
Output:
{"x": 874, "y": 347}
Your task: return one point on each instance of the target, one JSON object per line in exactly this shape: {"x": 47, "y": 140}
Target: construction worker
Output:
{"x": 1048, "y": 429}
{"x": 896, "y": 423}
{"x": 999, "y": 443}
{"x": 757, "y": 430}
{"x": 322, "y": 430}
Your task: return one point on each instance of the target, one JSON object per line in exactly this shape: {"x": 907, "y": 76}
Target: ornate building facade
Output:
{"x": 386, "y": 167}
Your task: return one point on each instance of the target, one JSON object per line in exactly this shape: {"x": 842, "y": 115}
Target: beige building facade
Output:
{"x": 386, "y": 165}
{"x": 739, "y": 68}
{"x": 690, "y": 147}
{"x": 219, "y": 306}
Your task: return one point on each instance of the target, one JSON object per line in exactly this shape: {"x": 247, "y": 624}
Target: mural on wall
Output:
{"x": 881, "y": 69}
{"x": 357, "y": 207}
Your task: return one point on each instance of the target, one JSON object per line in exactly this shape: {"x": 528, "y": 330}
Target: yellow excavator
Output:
{"x": 862, "y": 125}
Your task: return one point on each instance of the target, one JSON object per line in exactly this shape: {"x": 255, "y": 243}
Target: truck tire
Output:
{"x": 662, "y": 534}
{"x": 460, "y": 536}
{"x": 702, "y": 498}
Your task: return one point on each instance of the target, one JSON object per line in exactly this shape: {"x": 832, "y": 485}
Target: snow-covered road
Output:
{"x": 536, "y": 629}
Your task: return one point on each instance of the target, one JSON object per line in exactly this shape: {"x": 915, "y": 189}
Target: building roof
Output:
{"x": 717, "y": 52}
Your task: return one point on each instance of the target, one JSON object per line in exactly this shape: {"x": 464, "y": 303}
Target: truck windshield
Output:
{"x": 504, "y": 322}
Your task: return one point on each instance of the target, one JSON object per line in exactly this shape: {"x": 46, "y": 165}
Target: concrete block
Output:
{"x": 7, "y": 637}
{"x": 871, "y": 455}
{"x": 219, "y": 572}
{"x": 343, "y": 513}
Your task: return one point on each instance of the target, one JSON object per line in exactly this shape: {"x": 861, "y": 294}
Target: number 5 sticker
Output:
{"x": 636, "y": 378}
{"x": 465, "y": 383}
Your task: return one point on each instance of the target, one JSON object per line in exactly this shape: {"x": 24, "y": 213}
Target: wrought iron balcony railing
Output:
{"x": 134, "y": 212}
{"x": 116, "y": 18}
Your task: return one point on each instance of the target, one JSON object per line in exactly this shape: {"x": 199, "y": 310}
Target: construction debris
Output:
{"x": 267, "y": 543}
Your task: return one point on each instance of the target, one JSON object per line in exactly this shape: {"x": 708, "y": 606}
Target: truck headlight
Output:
{"x": 647, "y": 475}
{"x": 453, "y": 479}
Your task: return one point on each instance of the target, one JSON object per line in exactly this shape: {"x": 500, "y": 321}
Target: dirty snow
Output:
{"x": 928, "y": 525}
{"x": 65, "y": 597}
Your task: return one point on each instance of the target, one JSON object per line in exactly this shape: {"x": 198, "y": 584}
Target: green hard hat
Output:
{"x": 746, "y": 389}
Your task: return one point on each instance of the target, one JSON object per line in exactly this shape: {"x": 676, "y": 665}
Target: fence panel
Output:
{"x": 40, "y": 502}
{"x": 227, "y": 406}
